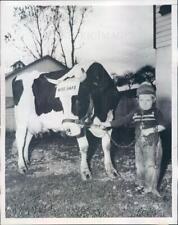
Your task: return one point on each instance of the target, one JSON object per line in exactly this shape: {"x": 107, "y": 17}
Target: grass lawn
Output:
{"x": 53, "y": 187}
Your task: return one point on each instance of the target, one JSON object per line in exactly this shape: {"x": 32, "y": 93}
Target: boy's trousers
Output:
{"x": 148, "y": 155}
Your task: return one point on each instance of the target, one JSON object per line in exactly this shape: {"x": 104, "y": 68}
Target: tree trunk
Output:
{"x": 73, "y": 54}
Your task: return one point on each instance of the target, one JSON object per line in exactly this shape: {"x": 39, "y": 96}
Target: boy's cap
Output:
{"x": 145, "y": 88}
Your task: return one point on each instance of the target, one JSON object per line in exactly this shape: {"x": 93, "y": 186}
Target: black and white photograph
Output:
{"x": 89, "y": 112}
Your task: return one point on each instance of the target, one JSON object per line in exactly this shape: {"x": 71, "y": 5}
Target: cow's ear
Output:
{"x": 51, "y": 81}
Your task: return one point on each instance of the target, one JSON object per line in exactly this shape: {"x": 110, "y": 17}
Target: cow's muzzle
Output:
{"x": 72, "y": 127}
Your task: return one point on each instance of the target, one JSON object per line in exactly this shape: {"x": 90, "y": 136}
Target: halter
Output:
{"x": 82, "y": 121}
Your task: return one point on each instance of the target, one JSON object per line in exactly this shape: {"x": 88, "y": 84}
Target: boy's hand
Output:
{"x": 146, "y": 132}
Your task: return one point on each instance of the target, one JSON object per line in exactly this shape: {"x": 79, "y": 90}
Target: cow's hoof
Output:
{"x": 22, "y": 170}
{"x": 28, "y": 162}
{"x": 86, "y": 175}
{"x": 156, "y": 193}
{"x": 153, "y": 192}
{"x": 112, "y": 174}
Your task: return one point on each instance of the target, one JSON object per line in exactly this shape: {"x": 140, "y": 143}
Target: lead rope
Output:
{"x": 156, "y": 146}
{"x": 113, "y": 141}
{"x": 120, "y": 146}
{"x": 88, "y": 114}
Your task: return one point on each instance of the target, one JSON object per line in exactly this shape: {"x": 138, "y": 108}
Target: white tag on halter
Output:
{"x": 69, "y": 87}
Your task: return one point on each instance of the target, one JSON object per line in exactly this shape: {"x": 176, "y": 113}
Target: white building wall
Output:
{"x": 9, "y": 86}
{"x": 163, "y": 62}
{"x": 10, "y": 121}
{"x": 163, "y": 80}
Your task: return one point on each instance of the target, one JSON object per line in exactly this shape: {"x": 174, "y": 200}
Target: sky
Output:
{"x": 120, "y": 37}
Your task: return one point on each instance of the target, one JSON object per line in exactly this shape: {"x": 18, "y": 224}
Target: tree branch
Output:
{"x": 33, "y": 33}
{"x": 46, "y": 27}
{"x": 56, "y": 23}
{"x": 62, "y": 48}
{"x": 53, "y": 43}
{"x": 36, "y": 46}
{"x": 35, "y": 39}
{"x": 40, "y": 35}
{"x": 70, "y": 18}
{"x": 29, "y": 50}
{"x": 81, "y": 22}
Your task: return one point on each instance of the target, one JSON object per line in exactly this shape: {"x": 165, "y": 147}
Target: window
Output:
{"x": 165, "y": 9}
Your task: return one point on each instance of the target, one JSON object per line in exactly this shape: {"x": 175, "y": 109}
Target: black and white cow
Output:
{"x": 65, "y": 101}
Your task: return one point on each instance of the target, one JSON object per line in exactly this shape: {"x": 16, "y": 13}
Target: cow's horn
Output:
{"x": 82, "y": 69}
{"x": 52, "y": 81}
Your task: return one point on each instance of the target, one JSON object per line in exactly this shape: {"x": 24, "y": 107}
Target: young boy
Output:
{"x": 148, "y": 122}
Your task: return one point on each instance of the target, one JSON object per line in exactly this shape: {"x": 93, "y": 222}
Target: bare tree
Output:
{"x": 37, "y": 24}
{"x": 56, "y": 20}
{"x": 74, "y": 16}
{"x": 45, "y": 26}
{"x": 74, "y": 31}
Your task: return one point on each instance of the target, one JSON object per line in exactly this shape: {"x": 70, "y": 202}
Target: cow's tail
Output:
{"x": 25, "y": 138}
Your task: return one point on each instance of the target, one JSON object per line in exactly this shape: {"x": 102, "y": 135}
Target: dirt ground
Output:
{"x": 53, "y": 187}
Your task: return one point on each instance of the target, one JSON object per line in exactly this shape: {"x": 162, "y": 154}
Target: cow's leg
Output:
{"x": 83, "y": 146}
{"x": 26, "y": 147}
{"x": 106, "y": 145}
{"x": 21, "y": 140}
